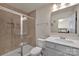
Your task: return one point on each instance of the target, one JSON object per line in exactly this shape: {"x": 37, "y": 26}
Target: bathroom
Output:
{"x": 42, "y": 29}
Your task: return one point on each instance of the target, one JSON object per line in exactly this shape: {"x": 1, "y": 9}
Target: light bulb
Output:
{"x": 63, "y": 5}
{"x": 54, "y": 7}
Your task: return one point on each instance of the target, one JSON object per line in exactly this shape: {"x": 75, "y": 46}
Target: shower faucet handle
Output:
{"x": 21, "y": 44}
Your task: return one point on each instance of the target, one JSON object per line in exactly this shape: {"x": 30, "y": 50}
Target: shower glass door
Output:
{"x": 9, "y": 32}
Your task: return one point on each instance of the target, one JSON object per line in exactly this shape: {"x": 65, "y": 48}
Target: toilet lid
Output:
{"x": 36, "y": 50}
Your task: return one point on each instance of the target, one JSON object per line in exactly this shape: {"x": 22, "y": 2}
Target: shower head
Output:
{"x": 24, "y": 18}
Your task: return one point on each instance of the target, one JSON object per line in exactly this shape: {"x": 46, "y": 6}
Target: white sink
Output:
{"x": 66, "y": 40}
{"x": 62, "y": 39}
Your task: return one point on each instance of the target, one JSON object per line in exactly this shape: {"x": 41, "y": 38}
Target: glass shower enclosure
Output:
{"x": 12, "y": 31}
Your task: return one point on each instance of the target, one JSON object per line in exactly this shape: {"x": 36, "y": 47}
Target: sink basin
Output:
{"x": 63, "y": 39}
{"x": 66, "y": 40}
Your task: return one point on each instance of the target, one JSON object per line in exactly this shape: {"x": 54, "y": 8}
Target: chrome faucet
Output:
{"x": 62, "y": 37}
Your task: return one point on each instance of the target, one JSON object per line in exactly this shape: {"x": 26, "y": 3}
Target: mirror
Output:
{"x": 66, "y": 25}
{"x": 64, "y": 21}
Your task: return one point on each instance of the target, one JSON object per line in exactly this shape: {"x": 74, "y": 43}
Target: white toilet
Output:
{"x": 37, "y": 51}
{"x": 41, "y": 43}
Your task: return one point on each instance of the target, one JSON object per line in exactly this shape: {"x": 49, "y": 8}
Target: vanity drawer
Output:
{"x": 50, "y": 45}
{"x": 67, "y": 54}
{"x": 69, "y": 50}
{"x": 50, "y": 52}
{"x": 64, "y": 49}
{"x": 53, "y": 52}
{"x": 61, "y": 48}
{"x": 76, "y": 52}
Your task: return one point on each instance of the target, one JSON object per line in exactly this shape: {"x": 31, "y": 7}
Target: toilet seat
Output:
{"x": 36, "y": 51}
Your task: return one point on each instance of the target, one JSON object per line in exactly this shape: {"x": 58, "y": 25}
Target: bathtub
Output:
{"x": 16, "y": 52}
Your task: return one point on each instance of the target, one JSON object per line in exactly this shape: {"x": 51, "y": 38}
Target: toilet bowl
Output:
{"x": 38, "y": 50}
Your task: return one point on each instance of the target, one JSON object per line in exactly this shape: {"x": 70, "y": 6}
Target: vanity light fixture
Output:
{"x": 58, "y": 6}
{"x": 54, "y": 7}
{"x": 24, "y": 18}
{"x": 63, "y": 5}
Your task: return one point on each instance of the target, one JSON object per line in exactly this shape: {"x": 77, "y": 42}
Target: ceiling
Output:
{"x": 27, "y": 7}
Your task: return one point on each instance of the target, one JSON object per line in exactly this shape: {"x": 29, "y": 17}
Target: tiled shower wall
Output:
{"x": 9, "y": 39}
{"x": 10, "y": 32}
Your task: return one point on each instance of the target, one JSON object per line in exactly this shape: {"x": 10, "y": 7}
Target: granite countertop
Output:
{"x": 70, "y": 42}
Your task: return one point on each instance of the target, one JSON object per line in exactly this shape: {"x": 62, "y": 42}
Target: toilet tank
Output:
{"x": 41, "y": 42}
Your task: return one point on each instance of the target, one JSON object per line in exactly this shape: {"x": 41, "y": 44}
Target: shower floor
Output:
{"x": 16, "y": 52}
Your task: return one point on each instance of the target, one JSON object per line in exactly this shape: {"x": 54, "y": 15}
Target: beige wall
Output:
{"x": 43, "y": 21}
{"x": 31, "y": 32}
{"x": 32, "y": 27}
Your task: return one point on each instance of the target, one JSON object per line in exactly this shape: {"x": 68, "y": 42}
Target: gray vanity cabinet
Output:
{"x": 51, "y": 50}
{"x": 55, "y": 49}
